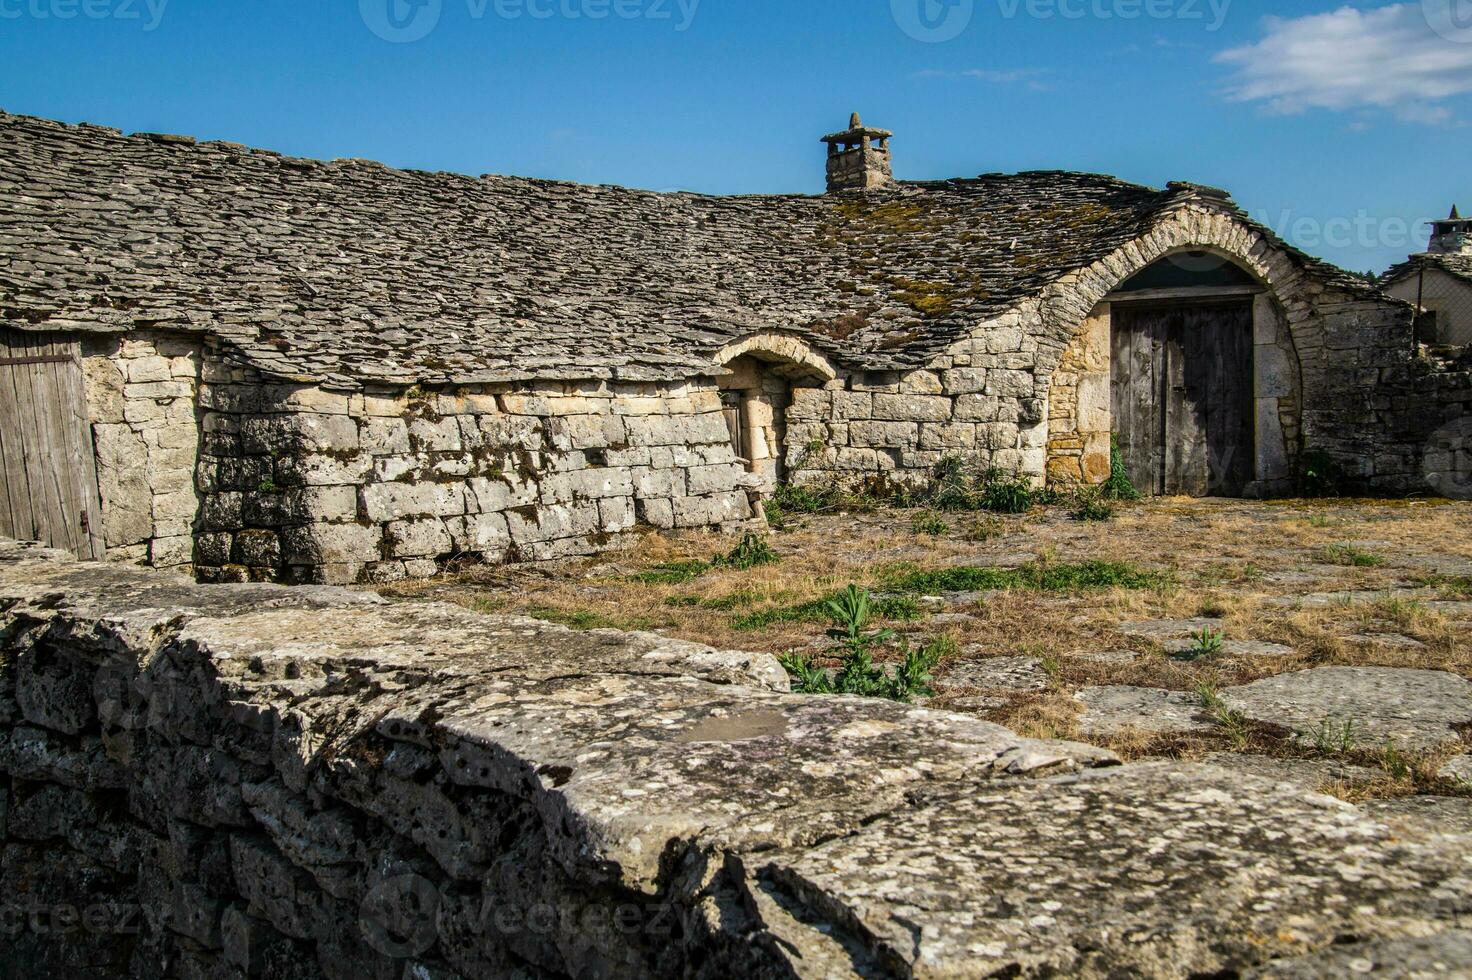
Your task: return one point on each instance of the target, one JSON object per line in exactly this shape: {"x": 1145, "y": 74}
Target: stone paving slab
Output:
{"x": 1446, "y": 814}
{"x": 1108, "y": 710}
{"x": 1148, "y": 870}
{"x": 1311, "y": 775}
{"x": 1417, "y": 709}
{"x": 1438, "y": 957}
{"x": 996, "y": 674}
{"x": 1459, "y": 769}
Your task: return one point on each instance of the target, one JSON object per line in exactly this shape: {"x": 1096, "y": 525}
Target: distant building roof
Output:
{"x": 1455, "y": 264}
{"x": 352, "y": 272}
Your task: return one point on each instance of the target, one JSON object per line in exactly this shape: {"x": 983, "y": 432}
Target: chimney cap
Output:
{"x": 857, "y": 132}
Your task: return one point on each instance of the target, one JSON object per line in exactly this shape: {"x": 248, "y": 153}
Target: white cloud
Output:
{"x": 1386, "y": 58}
{"x": 1031, "y": 77}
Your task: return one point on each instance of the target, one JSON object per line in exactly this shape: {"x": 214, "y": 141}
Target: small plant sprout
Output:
{"x": 931, "y": 524}
{"x": 752, "y": 552}
{"x": 1091, "y": 507}
{"x": 1331, "y": 737}
{"x": 851, "y": 612}
{"x": 1352, "y": 556}
{"x": 1206, "y": 643}
{"x": 1233, "y": 723}
{"x": 1395, "y": 762}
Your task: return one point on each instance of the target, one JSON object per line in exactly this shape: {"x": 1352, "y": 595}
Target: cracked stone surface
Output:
{"x": 1441, "y": 814}
{"x": 1459, "y": 769}
{"x": 1118, "y": 708}
{"x": 288, "y": 779}
{"x": 1417, "y": 709}
{"x": 997, "y": 674}
{"x": 1311, "y": 775}
{"x": 1445, "y": 954}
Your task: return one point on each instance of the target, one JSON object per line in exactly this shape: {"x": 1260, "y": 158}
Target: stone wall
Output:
{"x": 1014, "y": 394}
{"x": 253, "y": 781}
{"x": 141, "y": 391}
{"x": 307, "y": 484}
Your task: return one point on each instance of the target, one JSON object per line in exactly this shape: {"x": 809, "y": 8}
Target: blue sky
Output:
{"x": 1342, "y": 125}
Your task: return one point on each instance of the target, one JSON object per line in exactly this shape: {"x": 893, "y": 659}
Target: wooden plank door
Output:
{"x": 732, "y": 403}
{"x": 48, "y": 471}
{"x": 1138, "y": 377}
{"x": 1182, "y": 397}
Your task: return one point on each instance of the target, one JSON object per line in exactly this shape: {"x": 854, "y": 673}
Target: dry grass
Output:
{"x": 1232, "y": 562}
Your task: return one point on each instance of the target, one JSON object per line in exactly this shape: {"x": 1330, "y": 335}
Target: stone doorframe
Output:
{"x": 760, "y": 371}
{"x": 1079, "y": 409}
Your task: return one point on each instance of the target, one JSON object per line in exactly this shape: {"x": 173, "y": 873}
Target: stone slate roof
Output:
{"x": 351, "y": 272}
{"x": 1452, "y": 263}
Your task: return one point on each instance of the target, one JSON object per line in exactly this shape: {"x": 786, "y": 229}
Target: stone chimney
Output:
{"x": 858, "y": 159}
{"x": 1452, "y": 236}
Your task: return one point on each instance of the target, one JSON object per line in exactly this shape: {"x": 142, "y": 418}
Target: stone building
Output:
{"x": 273, "y": 368}
{"x": 1438, "y": 282}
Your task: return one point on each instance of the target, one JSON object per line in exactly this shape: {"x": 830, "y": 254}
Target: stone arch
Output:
{"x": 756, "y": 376}
{"x": 786, "y": 355}
{"x": 1075, "y": 356}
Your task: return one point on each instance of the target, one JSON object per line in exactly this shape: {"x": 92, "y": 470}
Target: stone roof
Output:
{"x": 1453, "y": 264}
{"x": 350, "y": 272}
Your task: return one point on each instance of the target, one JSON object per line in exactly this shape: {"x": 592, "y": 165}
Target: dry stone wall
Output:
{"x": 255, "y": 781}
{"x": 313, "y": 485}
{"x": 141, "y": 395}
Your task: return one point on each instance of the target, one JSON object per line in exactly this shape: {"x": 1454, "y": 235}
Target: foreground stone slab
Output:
{"x": 1108, "y": 710}
{"x": 1416, "y": 709}
{"x": 1449, "y": 814}
{"x": 316, "y": 783}
{"x": 1039, "y": 880}
{"x": 1310, "y": 775}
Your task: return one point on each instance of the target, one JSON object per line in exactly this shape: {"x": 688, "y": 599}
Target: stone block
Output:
{"x": 1274, "y": 373}
{"x": 435, "y": 435}
{"x": 330, "y": 544}
{"x": 323, "y": 470}
{"x": 282, "y": 434}
{"x": 420, "y": 538}
{"x": 964, "y": 381}
{"x": 1095, "y": 408}
{"x": 720, "y": 508}
{"x": 703, "y": 480}
{"x": 947, "y": 435}
{"x": 1009, "y": 383}
{"x": 482, "y": 534}
{"x": 532, "y": 524}
{"x": 896, "y": 435}
{"x": 485, "y": 495}
{"x": 383, "y": 436}
{"x": 586, "y": 431}
{"x": 382, "y": 502}
{"x": 848, "y": 405}
{"x": 810, "y": 405}
{"x": 141, "y": 370}
{"x": 921, "y": 383}
{"x": 122, "y": 477}
{"x": 617, "y": 515}
{"x": 658, "y": 513}
{"x": 978, "y": 408}
{"x": 591, "y": 484}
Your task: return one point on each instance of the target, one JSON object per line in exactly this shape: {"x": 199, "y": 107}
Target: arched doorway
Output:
{"x": 1182, "y": 376}
{"x": 755, "y": 399}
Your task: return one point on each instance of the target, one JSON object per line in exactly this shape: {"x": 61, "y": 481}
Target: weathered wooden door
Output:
{"x": 48, "y": 474}
{"x": 1182, "y": 396}
{"x": 732, "y": 403}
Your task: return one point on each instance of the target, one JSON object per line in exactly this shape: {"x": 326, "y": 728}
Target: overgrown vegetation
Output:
{"x": 1038, "y": 577}
{"x": 752, "y": 552}
{"x": 930, "y": 523}
{"x": 852, "y": 613}
{"x": 1118, "y": 486}
{"x": 1204, "y": 643}
{"x": 1091, "y": 507}
{"x": 1352, "y": 556}
{"x": 1321, "y": 475}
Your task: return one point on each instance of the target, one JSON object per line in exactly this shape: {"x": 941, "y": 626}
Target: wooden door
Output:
{"x": 733, "y": 404}
{"x": 48, "y": 473}
{"x": 1182, "y": 397}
